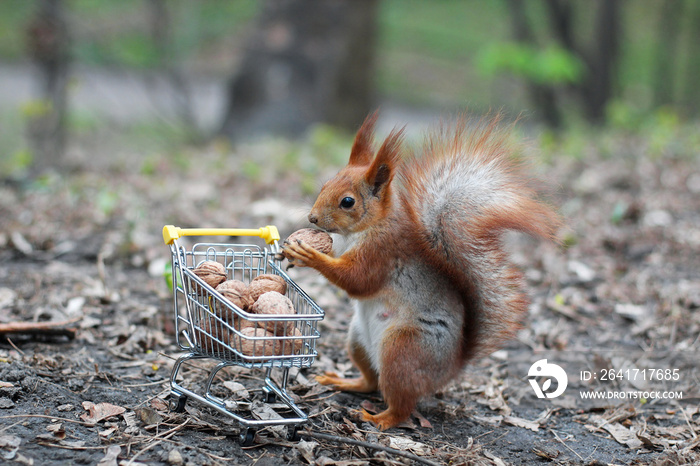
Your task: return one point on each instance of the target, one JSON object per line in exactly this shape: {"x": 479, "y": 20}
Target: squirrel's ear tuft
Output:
{"x": 382, "y": 170}
{"x": 361, "y": 153}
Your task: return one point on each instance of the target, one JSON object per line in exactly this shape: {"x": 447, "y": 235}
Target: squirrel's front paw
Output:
{"x": 303, "y": 254}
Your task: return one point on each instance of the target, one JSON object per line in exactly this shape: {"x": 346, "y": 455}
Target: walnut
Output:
{"x": 292, "y": 346}
{"x": 251, "y": 346}
{"x": 317, "y": 239}
{"x": 268, "y": 345}
{"x": 212, "y": 272}
{"x": 273, "y": 302}
{"x": 211, "y": 335}
{"x": 266, "y": 282}
{"x": 237, "y": 292}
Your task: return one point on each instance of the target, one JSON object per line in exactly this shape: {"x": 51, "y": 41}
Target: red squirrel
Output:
{"x": 418, "y": 245}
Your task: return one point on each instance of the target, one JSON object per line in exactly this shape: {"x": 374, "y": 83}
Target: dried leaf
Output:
{"x": 498, "y": 461}
{"x": 519, "y": 422}
{"x": 265, "y": 412}
{"x": 620, "y": 433}
{"x": 149, "y": 416}
{"x": 100, "y": 411}
{"x": 132, "y": 426}
{"x": 50, "y": 438}
{"x": 369, "y": 407}
{"x": 9, "y": 444}
{"x": 347, "y": 427}
{"x": 159, "y": 405}
{"x": 107, "y": 432}
{"x": 494, "y": 420}
{"x": 546, "y": 453}
{"x": 110, "y": 458}
{"x": 648, "y": 442}
{"x": 306, "y": 449}
{"x": 424, "y": 423}
{"x": 58, "y": 431}
{"x": 406, "y": 444}
{"x": 66, "y": 407}
{"x": 237, "y": 388}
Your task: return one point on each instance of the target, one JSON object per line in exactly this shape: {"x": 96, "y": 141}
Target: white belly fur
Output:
{"x": 368, "y": 327}
{"x": 369, "y": 321}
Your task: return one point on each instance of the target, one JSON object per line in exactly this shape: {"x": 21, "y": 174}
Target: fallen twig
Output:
{"x": 372, "y": 446}
{"x": 61, "y": 328}
{"x": 64, "y": 419}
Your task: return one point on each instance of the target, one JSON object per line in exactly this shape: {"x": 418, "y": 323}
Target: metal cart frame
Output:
{"x": 208, "y": 326}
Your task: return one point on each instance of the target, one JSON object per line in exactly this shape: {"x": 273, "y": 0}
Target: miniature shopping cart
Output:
{"x": 210, "y": 326}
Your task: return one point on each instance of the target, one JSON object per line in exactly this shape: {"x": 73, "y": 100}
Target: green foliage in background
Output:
{"x": 549, "y": 65}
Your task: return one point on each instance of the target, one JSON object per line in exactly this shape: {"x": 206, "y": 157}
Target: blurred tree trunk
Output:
{"x": 48, "y": 43}
{"x": 543, "y": 96}
{"x": 307, "y": 61}
{"x": 561, "y": 18}
{"x": 597, "y": 88}
{"x": 600, "y": 56}
{"x": 161, "y": 25}
{"x": 691, "y": 91}
{"x": 666, "y": 50}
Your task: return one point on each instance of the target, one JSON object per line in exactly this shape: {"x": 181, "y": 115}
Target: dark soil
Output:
{"x": 622, "y": 293}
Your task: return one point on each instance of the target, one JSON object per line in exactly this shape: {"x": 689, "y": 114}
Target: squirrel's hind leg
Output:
{"x": 365, "y": 383}
{"x": 408, "y": 372}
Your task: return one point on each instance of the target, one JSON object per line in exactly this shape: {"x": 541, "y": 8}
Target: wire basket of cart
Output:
{"x": 212, "y": 323}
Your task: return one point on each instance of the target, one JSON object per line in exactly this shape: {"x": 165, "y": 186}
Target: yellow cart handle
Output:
{"x": 268, "y": 233}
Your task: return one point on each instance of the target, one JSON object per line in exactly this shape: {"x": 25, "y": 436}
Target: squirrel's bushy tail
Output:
{"x": 466, "y": 188}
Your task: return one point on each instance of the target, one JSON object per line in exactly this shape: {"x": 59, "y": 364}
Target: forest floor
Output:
{"x": 616, "y": 306}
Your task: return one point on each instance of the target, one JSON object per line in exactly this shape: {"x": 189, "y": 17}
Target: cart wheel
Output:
{"x": 270, "y": 396}
{"x": 178, "y": 404}
{"x": 293, "y": 433}
{"x": 247, "y": 436}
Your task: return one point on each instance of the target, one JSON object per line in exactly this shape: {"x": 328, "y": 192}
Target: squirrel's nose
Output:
{"x": 313, "y": 218}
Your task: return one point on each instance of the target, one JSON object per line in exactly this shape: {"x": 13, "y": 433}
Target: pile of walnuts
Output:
{"x": 264, "y": 295}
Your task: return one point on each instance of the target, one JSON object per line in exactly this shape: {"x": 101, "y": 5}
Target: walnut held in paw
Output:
{"x": 264, "y": 283}
{"x": 274, "y": 303}
{"x": 317, "y": 239}
{"x": 237, "y": 292}
{"x": 212, "y": 272}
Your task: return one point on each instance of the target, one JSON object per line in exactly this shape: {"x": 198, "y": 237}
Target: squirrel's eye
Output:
{"x": 347, "y": 202}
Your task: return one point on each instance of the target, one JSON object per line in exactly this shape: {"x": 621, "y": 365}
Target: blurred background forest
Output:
{"x": 154, "y": 76}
